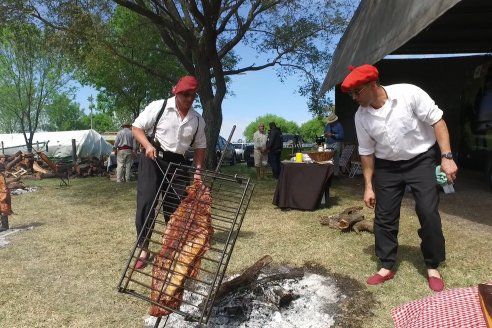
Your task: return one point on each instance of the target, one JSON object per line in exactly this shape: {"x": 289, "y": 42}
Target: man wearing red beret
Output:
{"x": 175, "y": 126}
{"x": 397, "y": 130}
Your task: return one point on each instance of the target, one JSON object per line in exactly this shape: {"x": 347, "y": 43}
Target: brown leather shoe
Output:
{"x": 377, "y": 279}
{"x": 436, "y": 284}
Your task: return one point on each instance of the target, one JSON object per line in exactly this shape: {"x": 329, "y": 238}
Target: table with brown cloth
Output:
{"x": 302, "y": 185}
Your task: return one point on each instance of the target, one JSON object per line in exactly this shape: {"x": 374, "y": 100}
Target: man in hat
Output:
{"x": 397, "y": 130}
{"x": 179, "y": 126}
{"x": 334, "y": 140}
{"x": 125, "y": 147}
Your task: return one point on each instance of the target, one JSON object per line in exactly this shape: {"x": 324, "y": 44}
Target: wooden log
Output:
{"x": 11, "y": 180}
{"x": 13, "y": 163}
{"x": 347, "y": 221}
{"x": 37, "y": 168}
{"x": 364, "y": 225}
{"x": 247, "y": 277}
{"x": 279, "y": 296}
{"x": 331, "y": 221}
{"x": 16, "y": 185}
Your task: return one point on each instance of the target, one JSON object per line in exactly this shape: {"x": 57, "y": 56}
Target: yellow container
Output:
{"x": 299, "y": 157}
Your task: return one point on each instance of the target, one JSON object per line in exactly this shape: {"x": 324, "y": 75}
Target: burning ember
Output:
{"x": 310, "y": 301}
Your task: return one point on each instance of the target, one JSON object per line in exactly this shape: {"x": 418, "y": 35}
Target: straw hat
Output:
{"x": 332, "y": 118}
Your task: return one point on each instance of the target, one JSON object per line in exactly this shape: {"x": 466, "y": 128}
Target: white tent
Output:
{"x": 88, "y": 143}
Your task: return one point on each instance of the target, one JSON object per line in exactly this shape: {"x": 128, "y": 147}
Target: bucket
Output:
{"x": 299, "y": 157}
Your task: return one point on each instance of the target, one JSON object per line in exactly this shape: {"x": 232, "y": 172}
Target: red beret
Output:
{"x": 358, "y": 76}
{"x": 186, "y": 83}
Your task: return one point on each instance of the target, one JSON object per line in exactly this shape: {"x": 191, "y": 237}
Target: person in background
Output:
{"x": 274, "y": 148}
{"x": 259, "y": 144}
{"x": 334, "y": 140}
{"x": 397, "y": 128}
{"x": 179, "y": 127}
{"x": 125, "y": 148}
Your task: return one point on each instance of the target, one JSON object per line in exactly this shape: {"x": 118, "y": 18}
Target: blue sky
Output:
{"x": 255, "y": 94}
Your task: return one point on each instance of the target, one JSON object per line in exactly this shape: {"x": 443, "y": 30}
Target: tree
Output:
{"x": 116, "y": 63}
{"x": 62, "y": 114}
{"x": 284, "y": 125}
{"x": 313, "y": 128}
{"x": 33, "y": 72}
{"x": 294, "y": 36}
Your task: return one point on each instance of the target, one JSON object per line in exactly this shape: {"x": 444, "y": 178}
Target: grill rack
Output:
{"x": 230, "y": 199}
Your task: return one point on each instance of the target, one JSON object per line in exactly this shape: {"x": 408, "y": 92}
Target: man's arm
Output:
{"x": 198, "y": 159}
{"x": 368, "y": 172}
{"x": 448, "y": 166}
{"x": 139, "y": 135}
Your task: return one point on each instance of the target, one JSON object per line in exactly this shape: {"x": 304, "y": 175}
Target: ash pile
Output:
{"x": 301, "y": 300}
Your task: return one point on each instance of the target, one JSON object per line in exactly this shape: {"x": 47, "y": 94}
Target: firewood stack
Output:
{"x": 350, "y": 219}
{"x": 21, "y": 166}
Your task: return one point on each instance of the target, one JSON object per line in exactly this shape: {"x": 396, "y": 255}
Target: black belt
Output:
{"x": 169, "y": 156}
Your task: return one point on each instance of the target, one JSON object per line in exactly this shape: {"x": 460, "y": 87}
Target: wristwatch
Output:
{"x": 448, "y": 155}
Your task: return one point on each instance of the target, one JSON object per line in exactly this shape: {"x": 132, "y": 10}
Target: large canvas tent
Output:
{"x": 380, "y": 28}
{"x": 88, "y": 143}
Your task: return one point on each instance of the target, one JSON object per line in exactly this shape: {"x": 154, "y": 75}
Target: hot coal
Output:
{"x": 314, "y": 304}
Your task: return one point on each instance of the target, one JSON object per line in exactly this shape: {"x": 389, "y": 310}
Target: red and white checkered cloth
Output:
{"x": 452, "y": 308}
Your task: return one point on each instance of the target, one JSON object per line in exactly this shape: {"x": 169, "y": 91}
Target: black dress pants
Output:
{"x": 274, "y": 160}
{"x": 151, "y": 185}
{"x": 390, "y": 180}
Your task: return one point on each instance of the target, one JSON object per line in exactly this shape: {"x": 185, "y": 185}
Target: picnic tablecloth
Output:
{"x": 452, "y": 308}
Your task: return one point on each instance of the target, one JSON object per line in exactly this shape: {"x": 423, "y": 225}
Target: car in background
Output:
{"x": 248, "y": 155}
{"x": 220, "y": 147}
{"x": 239, "y": 148}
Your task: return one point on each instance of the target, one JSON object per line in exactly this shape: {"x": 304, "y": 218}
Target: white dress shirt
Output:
{"x": 173, "y": 133}
{"x": 402, "y": 128}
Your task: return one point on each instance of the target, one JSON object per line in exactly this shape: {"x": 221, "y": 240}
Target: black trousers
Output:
{"x": 274, "y": 160}
{"x": 149, "y": 189}
{"x": 390, "y": 180}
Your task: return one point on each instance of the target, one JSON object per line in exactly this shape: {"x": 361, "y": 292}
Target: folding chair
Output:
{"x": 354, "y": 168}
{"x": 345, "y": 157}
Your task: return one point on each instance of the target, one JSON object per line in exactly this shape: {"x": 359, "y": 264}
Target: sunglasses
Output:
{"x": 188, "y": 94}
{"x": 356, "y": 92}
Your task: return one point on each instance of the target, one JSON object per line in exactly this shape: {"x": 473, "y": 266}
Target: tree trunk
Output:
{"x": 365, "y": 225}
{"x": 346, "y": 222}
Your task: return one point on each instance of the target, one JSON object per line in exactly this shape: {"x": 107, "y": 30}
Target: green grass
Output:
{"x": 64, "y": 272}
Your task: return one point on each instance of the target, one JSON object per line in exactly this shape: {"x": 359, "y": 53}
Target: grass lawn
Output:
{"x": 64, "y": 272}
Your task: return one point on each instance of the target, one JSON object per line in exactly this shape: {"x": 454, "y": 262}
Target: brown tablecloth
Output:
{"x": 302, "y": 185}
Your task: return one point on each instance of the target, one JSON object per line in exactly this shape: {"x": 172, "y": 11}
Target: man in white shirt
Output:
{"x": 259, "y": 144}
{"x": 179, "y": 126}
{"x": 397, "y": 129}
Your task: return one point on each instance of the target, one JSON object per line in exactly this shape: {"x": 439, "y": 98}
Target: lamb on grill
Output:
{"x": 185, "y": 240}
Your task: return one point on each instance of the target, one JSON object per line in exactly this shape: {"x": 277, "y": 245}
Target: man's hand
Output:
{"x": 369, "y": 198}
{"x": 449, "y": 167}
{"x": 150, "y": 152}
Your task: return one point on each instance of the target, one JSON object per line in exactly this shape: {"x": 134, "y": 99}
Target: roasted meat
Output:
{"x": 185, "y": 240}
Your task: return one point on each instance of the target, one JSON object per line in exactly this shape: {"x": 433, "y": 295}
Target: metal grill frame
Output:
{"x": 230, "y": 195}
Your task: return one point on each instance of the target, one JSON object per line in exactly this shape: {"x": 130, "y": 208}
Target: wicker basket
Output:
{"x": 321, "y": 156}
